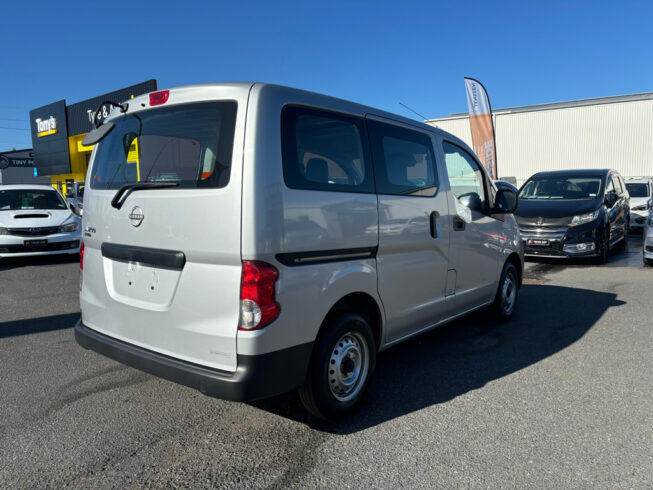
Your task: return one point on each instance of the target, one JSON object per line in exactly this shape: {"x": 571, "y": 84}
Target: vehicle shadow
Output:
{"x": 39, "y": 260}
{"x": 37, "y": 325}
{"x": 463, "y": 356}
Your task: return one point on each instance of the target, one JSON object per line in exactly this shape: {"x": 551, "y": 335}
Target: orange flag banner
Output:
{"x": 480, "y": 122}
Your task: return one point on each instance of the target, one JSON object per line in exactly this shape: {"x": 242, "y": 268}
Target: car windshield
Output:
{"x": 188, "y": 144}
{"x": 561, "y": 187}
{"x": 23, "y": 199}
{"x": 638, "y": 189}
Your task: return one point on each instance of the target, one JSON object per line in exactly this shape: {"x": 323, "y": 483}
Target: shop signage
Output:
{"x": 46, "y": 127}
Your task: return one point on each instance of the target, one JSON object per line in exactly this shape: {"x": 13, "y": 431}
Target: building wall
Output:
{"x": 19, "y": 175}
{"x": 615, "y": 135}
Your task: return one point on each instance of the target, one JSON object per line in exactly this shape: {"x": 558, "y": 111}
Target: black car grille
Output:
{"x": 41, "y": 231}
{"x": 50, "y": 247}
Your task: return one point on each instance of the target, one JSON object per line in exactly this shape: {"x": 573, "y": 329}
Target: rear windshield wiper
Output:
{"x": 122, "y": 194}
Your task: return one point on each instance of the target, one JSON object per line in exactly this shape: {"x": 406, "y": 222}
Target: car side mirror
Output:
{"x": 610, "y": 199}
{"x": 76, "y": 209}
{"x": 649, "y": 204}
{"x": 505, "y": 202}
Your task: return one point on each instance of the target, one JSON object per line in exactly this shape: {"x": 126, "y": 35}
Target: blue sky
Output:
{"x": 376, "y": 53}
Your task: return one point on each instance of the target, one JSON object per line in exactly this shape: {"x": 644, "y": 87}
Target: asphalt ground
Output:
{"x": 559, "y": 397}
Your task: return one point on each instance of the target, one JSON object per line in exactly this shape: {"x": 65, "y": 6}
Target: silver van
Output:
{"x": 248, "y": 239}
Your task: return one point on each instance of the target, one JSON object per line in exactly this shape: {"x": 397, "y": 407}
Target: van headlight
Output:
{"x": 581, "y": 219}
{"x": 70, "y": 227}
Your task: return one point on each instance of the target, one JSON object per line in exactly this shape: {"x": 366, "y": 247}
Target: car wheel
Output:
{"x": 648, "y": 262}
{"x": 341, "y": 367}
{"x": 505, "y": 300}
{"x": 605, "y": 247}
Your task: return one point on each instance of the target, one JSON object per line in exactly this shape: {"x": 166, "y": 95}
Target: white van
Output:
{"x": 247, "y": 239}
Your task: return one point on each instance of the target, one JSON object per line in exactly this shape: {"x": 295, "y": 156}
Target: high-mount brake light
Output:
{"x": 158, "y": 98}
{"x": 258, "y": 306}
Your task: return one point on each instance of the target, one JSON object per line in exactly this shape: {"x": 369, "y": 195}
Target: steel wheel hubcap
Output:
{"x": 348, "y": 366}
{"x": 508, "y": 293}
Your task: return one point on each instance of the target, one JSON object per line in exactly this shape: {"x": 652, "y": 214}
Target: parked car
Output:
{"x": 36, "y": 220}
{"x": 254, "y": 242}
{"x": 647, "y": 236}
{"x": 640, "y": 191}
{"x": 573, "y": 213}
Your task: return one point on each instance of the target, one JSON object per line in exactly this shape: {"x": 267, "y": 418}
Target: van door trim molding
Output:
{"x": 325, "y": 256}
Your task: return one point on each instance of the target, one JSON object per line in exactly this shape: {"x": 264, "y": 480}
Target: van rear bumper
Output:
{"x": 256, "y": 377}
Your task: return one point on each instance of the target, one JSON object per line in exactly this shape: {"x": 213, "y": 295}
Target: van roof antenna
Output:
{"x": 401, "y": 103}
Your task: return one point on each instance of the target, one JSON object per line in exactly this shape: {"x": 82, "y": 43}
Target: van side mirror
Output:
{"x": 611, "y": 199}
{"x": 472, "y": 200}
{"x": 505, "y": 202}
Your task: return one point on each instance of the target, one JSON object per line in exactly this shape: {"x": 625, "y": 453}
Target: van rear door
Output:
{"x": 162, "y": 264}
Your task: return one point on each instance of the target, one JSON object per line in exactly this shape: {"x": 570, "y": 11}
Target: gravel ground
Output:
{"x": 559, "y": 397}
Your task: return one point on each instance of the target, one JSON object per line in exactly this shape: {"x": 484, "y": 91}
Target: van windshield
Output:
{"x": 190, "y": 144}
{"x": 561, "y": 187}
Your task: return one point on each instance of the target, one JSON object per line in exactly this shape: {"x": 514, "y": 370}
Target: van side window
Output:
{"x": 465, "y": 177}
{"x": 324, "y": 150}
{"x": 403, "y": 160}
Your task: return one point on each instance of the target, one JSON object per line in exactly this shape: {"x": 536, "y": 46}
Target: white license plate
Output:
{"x": 35, "y": 243}
{"x": 539, "y": 243}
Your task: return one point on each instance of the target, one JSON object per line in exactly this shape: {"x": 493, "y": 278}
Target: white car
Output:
{"x": 647, "y": 237}
{"x": 640, "y": 190}
{"x": 36, "y": 220}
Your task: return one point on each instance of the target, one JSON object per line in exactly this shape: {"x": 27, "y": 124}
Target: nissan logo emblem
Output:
{"x": 136, "y": 216}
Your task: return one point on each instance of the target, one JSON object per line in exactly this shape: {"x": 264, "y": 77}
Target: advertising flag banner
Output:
{"x": 480, "y": 122}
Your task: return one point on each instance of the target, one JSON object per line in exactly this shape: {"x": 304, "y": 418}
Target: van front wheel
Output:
{"x": 340, "y": 368}
{"x": 505, "y": 300}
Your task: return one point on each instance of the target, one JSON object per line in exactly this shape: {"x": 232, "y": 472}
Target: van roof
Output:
{"x": 289, "y": 91}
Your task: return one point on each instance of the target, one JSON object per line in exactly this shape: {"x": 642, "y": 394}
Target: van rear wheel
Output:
{"x": 340, "y": 368}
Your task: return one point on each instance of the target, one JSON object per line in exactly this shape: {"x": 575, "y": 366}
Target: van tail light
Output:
{"x": 258, "y": 306}
{"x": 158, "y": 98}
{"x": 81, "y": 265}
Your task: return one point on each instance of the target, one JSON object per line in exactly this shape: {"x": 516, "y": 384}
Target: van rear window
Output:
{"x": 190, "y": 144}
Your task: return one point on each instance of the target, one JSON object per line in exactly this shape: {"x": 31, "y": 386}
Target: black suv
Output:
{"x": 573, "y": 213}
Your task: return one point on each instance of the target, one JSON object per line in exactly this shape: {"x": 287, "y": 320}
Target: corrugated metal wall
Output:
{"x": 617, "y": 135}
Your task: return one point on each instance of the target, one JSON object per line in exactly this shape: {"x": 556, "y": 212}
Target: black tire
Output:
{"x": 624, "y": 242}
{"x": 604, "y": 253}
{"x": 648, "y": 262}
{"x": 505, "y": 300}
{"x": 317, "y": 394}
